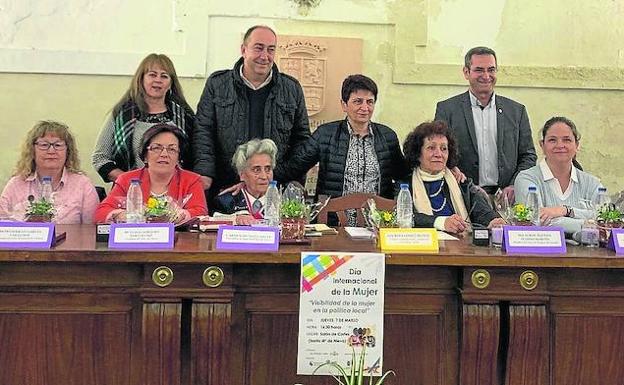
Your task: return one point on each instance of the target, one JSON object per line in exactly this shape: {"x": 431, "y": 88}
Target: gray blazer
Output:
{"x": 515, "y": 145}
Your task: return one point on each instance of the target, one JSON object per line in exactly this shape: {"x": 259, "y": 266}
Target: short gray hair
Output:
{"x": 478, "y": 51}
{"x": 254, "y": 147}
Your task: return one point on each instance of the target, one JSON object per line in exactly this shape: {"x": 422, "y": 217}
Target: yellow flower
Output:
{"x": 152, "y": 202}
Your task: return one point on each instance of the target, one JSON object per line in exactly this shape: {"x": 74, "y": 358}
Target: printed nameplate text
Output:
{"x": 248, "y": 238}
{"x": 141, "y": 236}
{"x": 26, "y": 235}
{"x": 419, "y": 240}
{"x": 534, "y": 239}
{"x": 616, "y": 241}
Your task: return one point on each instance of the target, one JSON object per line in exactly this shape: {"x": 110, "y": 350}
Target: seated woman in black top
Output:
{"x": 440, "y": 201}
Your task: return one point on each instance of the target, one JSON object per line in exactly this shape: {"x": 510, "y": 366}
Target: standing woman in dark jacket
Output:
{"x": 155, "y": 96}
{"x": 355, "y": 154}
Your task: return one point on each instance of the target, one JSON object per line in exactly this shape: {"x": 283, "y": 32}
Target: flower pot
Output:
{"x": 293, "y": 228}
{"x": 157, "y": 219}
{"x": 522, "y": 223}
{"x": 604, "y": 231}
{"x": 38, "y": 218}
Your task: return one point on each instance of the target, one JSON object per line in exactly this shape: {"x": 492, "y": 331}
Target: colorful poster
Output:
{"x": 341, "y": 308}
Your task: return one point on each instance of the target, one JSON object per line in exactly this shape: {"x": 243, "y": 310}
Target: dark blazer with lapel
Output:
{"x": 515, "y": 144}
{"x": 229, "y": 204}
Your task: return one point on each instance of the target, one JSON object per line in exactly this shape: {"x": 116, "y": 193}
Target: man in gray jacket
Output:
{"x": 493, "y": 132}
{"x": 252, "y": 100}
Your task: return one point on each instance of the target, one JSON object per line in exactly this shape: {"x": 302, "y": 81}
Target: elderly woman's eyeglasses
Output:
{"x": 158, "y": 149}
{"x": 45, "y": 146}
{"x": 257, "y": 170}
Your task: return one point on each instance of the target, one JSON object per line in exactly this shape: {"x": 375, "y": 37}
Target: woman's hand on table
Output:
{"x": 455, "y": 224}
{"x": 245, "y": 220}
{"x": 547, "y": 214}
{"x": 496, "y": 221}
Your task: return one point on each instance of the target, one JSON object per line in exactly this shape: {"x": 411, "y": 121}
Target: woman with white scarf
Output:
{"x": 440, "y": 201}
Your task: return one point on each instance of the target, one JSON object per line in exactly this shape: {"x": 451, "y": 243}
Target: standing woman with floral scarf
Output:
{"x": 155, "y": 96}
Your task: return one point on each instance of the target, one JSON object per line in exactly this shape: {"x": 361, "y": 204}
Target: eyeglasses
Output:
{"x": 45, "y": 146}
{"x": 257, "y": 170}
{"x": 158, "y": 149}
{"x": 482, "y": 71}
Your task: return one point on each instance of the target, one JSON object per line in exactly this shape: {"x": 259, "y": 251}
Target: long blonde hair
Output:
{"x": 26, "y": 163}
{"x": 136, "y": 93}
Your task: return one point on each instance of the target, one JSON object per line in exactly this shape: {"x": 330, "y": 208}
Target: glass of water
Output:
{"x": 497, "y": 235}
{"x": 589, "y": 233}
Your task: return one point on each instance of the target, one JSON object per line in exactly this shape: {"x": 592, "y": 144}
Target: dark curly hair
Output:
{"x": 159, "y": 129}
{"x": 414, "y": 142}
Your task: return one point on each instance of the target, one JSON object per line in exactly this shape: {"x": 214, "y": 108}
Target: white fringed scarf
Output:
{"x": 421, "y": 197}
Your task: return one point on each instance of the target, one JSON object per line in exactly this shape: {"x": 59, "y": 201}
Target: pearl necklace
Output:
{"x": 440, "y": 208}
{"x": 435, "y": 194}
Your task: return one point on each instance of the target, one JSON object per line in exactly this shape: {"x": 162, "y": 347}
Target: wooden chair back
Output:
{"x": 353, "y": 201}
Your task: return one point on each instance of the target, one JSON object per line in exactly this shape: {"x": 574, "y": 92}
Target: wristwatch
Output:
{"x": 569, "y": 211}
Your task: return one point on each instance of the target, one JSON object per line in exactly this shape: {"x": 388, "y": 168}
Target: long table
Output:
{"x": 84, "y": 314}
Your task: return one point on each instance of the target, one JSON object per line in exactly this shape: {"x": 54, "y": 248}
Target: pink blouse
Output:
{"x": 75, "y": 198}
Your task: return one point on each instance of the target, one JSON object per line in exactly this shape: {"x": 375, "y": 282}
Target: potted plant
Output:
{"x": 294, "y": 214}
{"x": 162, "y": 209}
{"x": 41, "y": 210}
{"x": 383, "y": 218}
{"x": 609, "y": 217}
{"x": 377, "y": 219}
{"x": 521, "y": 215}
{"x": 157, "y": 210}
{"x": 354, "y": 374}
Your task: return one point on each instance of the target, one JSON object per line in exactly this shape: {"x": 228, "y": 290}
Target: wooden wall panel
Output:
{"x": 272, "y": 350}
{"x": 479, "y": 348}
{"x": 161, "y": 343}
{"x": 65, "y": 349}
{"x": 528, "y": 357}
{"x": 414, "y": 348}
{"x": 420, "y": 340}
{"x": 210, "y": 344}
{"x": 588, "y": 349}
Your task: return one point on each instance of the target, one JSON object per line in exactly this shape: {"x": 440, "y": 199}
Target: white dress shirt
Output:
{"x": 486, "y": 131}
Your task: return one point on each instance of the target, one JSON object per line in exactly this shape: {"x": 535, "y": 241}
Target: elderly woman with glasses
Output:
{"x": 441, "y": 201}
{"x": 564, "y": 191}
{"x": 254, "y": 161}
{"x": 163, "y": 146}
{"x": 50, "y": 151}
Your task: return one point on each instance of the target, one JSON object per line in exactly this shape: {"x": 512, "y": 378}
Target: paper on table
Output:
{"x": 321, "y": 227}
{"x": 208, "y": 223}
{"x": 359, "y": 233}
{"x": 442, "y": 236}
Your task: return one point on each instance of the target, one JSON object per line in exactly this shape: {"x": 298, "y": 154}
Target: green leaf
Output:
{"x": 360, "y": 368}
{"x": 337, "y": 367}
{"x": 383, "y": 378}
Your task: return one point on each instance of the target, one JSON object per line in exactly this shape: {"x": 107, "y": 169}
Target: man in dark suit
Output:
{"x": 492, "y": 132}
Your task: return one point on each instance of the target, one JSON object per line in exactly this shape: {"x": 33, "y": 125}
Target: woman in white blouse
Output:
{"x": 564, "y": 191}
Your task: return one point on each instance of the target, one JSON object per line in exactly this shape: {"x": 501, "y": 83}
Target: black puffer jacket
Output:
{"x": 222, "y": 120}
{"x": 329, "y": 145}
